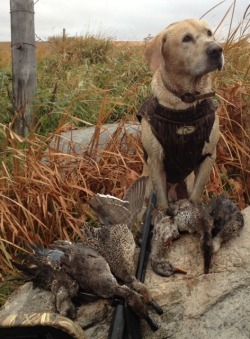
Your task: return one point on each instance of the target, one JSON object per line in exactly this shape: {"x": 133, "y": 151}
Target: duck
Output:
{"x": 165, "y": 231}
{"x": 228, "y": 220}
{"x": 194, "y": 217}
{"x": 114, "y": 239}
{"x": 68, "y": 268}
{"x": 43, "y": 267}
{"x": 93, "y": 274}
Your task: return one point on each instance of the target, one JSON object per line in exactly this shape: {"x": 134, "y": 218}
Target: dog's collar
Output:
{"x": 187, "y": 97}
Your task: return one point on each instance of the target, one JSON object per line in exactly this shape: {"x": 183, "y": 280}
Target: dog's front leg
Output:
{"x": 158, "y": 178}
{"x": 154, "y": 161}
{"x": 202, "y": 177}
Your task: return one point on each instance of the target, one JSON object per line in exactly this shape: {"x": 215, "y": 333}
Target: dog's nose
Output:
{"x": 214, "y": 50}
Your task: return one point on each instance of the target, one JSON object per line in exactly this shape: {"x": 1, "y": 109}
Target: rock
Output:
{"x": 95, "y": 318}
{"x": 76, "y": 141}
{"x": 28, "y": 298}
{"x": 195, "y": 305}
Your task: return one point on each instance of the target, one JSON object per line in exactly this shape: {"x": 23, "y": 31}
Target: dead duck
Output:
{"x": 195, "y": 218}
{"x": 228, "y": 220}
{"x": 43, "y": 268}
{"x": 68, "y": 267}
{"x": 114, "y": 239}
{"x": 93, "y": 274}
{"x": 164, "y": 232}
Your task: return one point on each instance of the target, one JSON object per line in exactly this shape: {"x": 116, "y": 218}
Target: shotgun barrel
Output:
{"x": 125, "y": 323}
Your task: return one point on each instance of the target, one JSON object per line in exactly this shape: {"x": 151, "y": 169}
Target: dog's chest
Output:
{"x": 182, "y": 135}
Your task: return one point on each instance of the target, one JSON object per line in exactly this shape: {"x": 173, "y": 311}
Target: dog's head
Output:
{"x": 187, "y": 47}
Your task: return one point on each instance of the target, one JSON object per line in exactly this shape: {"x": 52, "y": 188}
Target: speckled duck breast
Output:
{"x": 182, "y": 134}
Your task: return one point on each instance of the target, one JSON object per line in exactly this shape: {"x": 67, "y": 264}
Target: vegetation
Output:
{"x": 90, "y": 81}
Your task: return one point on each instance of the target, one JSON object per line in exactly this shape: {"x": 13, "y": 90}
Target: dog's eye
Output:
{"x": 209, "y": 33}
{"x": 187, "y": 38}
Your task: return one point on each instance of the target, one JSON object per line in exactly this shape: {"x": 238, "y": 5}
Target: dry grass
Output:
{"x": 5, "y": 54}
{"x": 232, "y": 170}
{"x": 43, "y": 49}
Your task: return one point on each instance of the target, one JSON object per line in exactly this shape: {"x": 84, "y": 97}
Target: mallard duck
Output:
{"x": 228, "y": 220}
{"x": 114, "y": 239}
{"x": 43, "y": 267}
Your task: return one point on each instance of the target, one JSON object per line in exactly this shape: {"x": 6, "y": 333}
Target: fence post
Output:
{"x": 64, "y": 34}
{"x": 23, "y": 64}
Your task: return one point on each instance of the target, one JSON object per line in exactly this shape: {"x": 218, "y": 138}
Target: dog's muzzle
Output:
{"x": 215, "y": 56}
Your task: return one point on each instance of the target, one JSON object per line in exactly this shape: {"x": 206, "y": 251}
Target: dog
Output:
{"x": 179, "y": 127}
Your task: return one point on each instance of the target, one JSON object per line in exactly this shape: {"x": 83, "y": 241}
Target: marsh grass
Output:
{"x": 91, "y": 81}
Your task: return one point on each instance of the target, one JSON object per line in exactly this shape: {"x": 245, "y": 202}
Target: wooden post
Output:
{"x": 64, "y": 34}
{"x": 23, "y": 63}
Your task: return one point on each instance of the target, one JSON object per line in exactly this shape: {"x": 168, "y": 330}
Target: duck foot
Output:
{"x": 156, "y": 306}
{"x": 152, "y": 323}
{"x": 164, "y": 268}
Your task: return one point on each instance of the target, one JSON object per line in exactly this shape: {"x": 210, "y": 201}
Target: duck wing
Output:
{"x": 51, "y": 257}
{"x": 135, "y": 197}
{"x": 111, "y": 210}
{"x": 41, "y": 266}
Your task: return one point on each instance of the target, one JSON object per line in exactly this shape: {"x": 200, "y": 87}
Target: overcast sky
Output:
{"x": 122, "y": 20}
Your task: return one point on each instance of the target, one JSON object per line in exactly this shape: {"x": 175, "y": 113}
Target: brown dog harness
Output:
{"x": 182, "y": 134}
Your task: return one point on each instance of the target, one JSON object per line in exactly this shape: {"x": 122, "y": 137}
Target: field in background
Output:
{"x": 93, "y": 80}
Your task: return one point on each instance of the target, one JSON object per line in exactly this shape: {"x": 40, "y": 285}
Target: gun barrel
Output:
{"x": 117, "y": 326}
{"x": 144, "y": 252}
{"x": 122, "y": 313}
{"x": 135, "y": 330}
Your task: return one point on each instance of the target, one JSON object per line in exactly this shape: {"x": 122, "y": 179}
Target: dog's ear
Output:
{"x": 156, "y": 48}
{"x": 153, "y": 52}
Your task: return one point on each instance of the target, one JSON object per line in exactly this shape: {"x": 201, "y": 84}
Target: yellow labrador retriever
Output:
{"x": 180, "y": 130}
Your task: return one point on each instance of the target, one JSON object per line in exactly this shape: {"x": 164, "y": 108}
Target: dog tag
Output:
{"x": 185, "y": 130}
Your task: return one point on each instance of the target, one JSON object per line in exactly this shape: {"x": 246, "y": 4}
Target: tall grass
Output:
{"x": 232, "y": 170}
{"x": 89, "y": 80}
